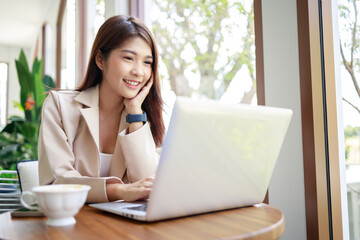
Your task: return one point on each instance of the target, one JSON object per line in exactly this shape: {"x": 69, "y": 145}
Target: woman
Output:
{"x": 107, "y": 132}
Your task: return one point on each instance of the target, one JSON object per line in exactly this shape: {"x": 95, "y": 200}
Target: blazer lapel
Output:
{"x": 118, "y": 166}
{"x": 90, "y": 111}
{"x": 91, "y": 116}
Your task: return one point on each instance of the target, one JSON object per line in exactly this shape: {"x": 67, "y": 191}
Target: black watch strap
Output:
{"x": 130, "y": 118}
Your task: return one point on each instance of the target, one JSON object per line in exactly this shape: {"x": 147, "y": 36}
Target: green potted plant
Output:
{"x": 19, "y": 138}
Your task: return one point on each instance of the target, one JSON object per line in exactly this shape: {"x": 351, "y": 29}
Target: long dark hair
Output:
{"x": 115, "y": 31}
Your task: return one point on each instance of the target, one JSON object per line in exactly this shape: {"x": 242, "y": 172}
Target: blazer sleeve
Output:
{"x": 140, "y": 153}
{"x": 56, "y": 158}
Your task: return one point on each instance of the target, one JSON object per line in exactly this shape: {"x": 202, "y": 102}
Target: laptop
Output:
{"x": 215, "y": 156}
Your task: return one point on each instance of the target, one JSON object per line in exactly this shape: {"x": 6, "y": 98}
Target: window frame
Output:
{"x": 7, "y": 91}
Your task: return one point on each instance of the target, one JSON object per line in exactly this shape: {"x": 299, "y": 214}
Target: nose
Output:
{"x": 138, "y": 70}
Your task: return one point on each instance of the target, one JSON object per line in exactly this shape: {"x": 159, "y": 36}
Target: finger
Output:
{"x": 147, "y": 185}
{"x": 150, "y": 82}
{"x": 146, "y": 89}
{"x": 139, "y": 99}
{"x": 144, "y": 191}
{"x": 151, "y": 179}
{"x": 148, "y": 85}
{"x": 144, "y": 197}
{"x": 144, "y": 183}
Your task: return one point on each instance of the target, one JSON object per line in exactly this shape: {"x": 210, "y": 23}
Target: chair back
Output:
{"x": 28, "y": 174}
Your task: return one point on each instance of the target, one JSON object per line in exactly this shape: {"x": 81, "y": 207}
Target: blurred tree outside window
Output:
{"x": 99, "y": 15}
{"x": 207, "y": 49}
{"x": 349, "y": 33}
{"x": 95, "y": 17}
{"x": 350, "y": 69}
{"x": 3, "y": 93}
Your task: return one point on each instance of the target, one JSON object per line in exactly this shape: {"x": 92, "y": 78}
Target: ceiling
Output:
{"x": 21, "y": 21}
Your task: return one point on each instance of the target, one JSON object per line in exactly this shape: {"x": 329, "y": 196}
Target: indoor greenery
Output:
{"x": 19, "y": 138}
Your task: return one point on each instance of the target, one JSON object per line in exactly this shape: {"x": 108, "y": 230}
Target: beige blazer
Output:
{"x": 68, "y": 148}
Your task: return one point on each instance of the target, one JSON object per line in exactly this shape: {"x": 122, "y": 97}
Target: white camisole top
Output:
{"x": 105, "y": 163}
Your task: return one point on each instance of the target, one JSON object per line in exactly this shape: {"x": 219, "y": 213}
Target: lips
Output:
{"x": 132, "y": 83}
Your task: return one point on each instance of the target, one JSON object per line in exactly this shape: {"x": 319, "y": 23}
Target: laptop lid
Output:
{"x": 216, "y": 156}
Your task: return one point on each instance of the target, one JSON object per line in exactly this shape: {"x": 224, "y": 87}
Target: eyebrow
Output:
{"x": 132, "y": 52}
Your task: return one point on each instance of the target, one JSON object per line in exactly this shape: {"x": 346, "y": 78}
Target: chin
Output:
{"x": 130, "y": 95}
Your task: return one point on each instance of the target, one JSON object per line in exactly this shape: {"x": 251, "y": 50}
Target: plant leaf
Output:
{"x": 39, "y": 90}
{"x": 49, "y": 83}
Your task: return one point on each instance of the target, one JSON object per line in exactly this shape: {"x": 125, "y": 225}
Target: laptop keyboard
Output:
{"x": 139, "y": 208}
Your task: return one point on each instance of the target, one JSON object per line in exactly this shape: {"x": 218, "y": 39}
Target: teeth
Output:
{"x": 132, "y": 83}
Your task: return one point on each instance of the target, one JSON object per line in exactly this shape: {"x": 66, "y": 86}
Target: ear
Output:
{"x": 100, "y": 60}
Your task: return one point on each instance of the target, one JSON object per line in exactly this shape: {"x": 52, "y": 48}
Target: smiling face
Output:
{"x": 127, "y": 68}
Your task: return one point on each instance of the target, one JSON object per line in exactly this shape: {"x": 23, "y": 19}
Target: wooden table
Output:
{"x": 258, "y": 222}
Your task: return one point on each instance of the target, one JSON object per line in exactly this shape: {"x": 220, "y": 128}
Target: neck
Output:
{"x": 108, "y": 101}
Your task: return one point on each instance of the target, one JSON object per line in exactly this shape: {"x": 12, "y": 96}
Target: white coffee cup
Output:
{"x": 59, "y": 202}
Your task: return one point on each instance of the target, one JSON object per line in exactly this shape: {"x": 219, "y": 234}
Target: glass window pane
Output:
{"x": 207, "y": 49}
{"x": 99, "y": 15}
{"x": 68, "y": 47}
{"x": 3, "y": 93}
{"x": 350, "y": 75}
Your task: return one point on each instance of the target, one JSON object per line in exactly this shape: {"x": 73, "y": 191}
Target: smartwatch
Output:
{"x": 130, "y": 118}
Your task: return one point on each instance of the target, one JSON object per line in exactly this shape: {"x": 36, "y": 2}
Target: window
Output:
{"x": 207, "y": 50}
{"x": 80, "y": 23}
{"x": 68, "y": 47}
{"x": 99, "y": 15}
{"x": 3, "y": 93}
{"x": 350, "y": 76}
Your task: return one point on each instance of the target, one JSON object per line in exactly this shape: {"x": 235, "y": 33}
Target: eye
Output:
{"x": 128, "y": 58}
{"x": 148, "y": 62}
